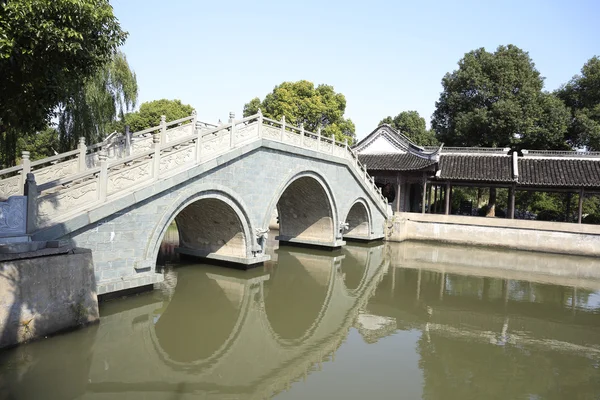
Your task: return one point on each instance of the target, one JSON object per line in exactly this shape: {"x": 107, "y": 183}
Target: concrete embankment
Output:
{"x": 44, "y": 294}
{"x": 549, "y": 237}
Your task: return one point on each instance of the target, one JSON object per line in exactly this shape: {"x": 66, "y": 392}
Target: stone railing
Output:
{"x": 116, "y": 145}
{"x": 561, "y": 153}
{"x": 171, "y": 152}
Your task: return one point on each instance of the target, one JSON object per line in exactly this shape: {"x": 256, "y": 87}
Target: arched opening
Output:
{"x": 296, "y": 292}
{"x": 354, "y": 266}
{"x": 358, "y": 222}
{"x": 305, "y": 213}
{"x": 211, "y": 227}
{"x": 212, "y": 322}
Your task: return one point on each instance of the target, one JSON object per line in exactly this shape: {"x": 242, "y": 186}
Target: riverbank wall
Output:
{"x": 45, "y": 294}
{"x": 540, "y": 236}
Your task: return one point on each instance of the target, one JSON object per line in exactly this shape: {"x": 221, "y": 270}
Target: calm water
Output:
{"x": 381, "y": 322}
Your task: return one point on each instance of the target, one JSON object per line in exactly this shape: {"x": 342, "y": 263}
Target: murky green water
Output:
{"x": 381, "y": 322}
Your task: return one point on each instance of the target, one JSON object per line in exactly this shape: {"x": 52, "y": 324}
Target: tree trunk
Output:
{"x": 491, "y": 212}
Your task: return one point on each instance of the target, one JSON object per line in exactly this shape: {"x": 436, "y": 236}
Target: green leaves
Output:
{"x": 301, "y": 103}
{"x": 150, "y": 113}
{"x": 48, "y": 48}
{"x": 412, "y": 125}
{"x": 496, "y": 99}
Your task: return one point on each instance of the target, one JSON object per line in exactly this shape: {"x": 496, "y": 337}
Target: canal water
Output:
{"x": 384, "y": 321}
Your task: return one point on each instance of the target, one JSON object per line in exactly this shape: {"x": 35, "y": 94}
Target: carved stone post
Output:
{"x": 282, "y": 127}
{"x": 232, "y": 137}
{"x": 318, "y": 138}
{"x": 26, "y": 164}
{"x": 156, "y": 165}
{"x": 127, "y": 140}
{"x": 302, "y": 134}
{"x": 31, "y": 191}
{"x": 103, "y": 177}
{"x": 198, "y": 143}
{"x": 82, "y": 152}
{"x": 260, "y": 123}
{"x": 163, "y": 128}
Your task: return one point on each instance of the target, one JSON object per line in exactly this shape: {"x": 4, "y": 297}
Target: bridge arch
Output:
{"x": 200, "y": 234}
{"x": 307, "y": 209}
{"x": 359, "y": 220}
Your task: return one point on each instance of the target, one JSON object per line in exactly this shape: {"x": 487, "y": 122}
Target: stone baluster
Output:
{"x": 156, "y": 166}
{"x": 282, "y": 127}
{"x": 31, "y": 191}
{"x": 26, "y": 165}
{"x": 103, "y": 176}
{"x": 198, "y": 133}
{"x": 232, "y": 137}
{"x": 127, "y": 140}
{"x": 260, "y": 123}
{"x": 163, "y": 129}
{"x": 82, "y": 153}
{"x": 302, "y": 134}
{"x": 318, "y": 137}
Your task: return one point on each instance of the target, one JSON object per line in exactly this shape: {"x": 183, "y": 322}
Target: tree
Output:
{"x": 582, "y": 96}
{"x": 301, "y": 103}
{"x": 411, "y": 124}
{"x": 91, "y": 110}
{"x": 42, "y": 144}
{"x": 47, "y": 49}
{"x": 150, "y": 113}
{"x": 496, "y": 99}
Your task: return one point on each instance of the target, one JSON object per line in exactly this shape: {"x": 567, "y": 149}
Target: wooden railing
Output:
{"x": 166, "y": 155}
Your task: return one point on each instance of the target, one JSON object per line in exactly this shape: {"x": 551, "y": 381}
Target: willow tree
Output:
{"x": 47, "y": 50}
{"x": 303, "y": 103}
{"x": 103, "y": 98}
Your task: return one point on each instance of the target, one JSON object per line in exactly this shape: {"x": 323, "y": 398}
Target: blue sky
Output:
{"x": 384, "y": 56}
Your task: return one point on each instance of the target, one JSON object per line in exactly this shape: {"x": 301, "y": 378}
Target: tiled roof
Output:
{"x": 395, "y": 162}
{"x": 476, "y": 168}
{"x": 559, "y": 172}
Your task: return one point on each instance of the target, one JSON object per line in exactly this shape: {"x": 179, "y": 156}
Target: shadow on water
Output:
{"x": 213, "y": 332}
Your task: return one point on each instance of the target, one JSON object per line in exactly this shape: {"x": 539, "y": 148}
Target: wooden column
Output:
{"x": 424, "y": 195}
{"x": 447, "y": 199}
{"x": 511, "y": 206}
{"x": 580, "y": 211}
{"x": 435, "y": 199}
{"x": 429, "y": 199}
{"x": 398, "y": 193}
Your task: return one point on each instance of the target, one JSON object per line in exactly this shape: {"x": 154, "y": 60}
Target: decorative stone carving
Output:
{"x": 271, "y": 132}
{"x": 215, "y": 143}
{"x": 310, "y": 143}
{"x": 292, "y": 138}
{"x": 245, "y": 132}
{"x": 129, "y": 177}
{"x": 65, "y": 201}
{"x": 179, "y": 132}
{"x": 141, "y": 144}
{"x": 261, "y": 238}
{"x": 57, "y": 171}
{"x": 325, "y": 146}
{"x": 180, "y": 157}
{"x": 10, "y": 186}
{"x": 13, "y": 216}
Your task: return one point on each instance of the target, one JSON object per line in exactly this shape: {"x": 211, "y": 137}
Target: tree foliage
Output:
{"x": 303, "y": 103}
{"x": 412, "y": 125}
{"x": 582, "y": 95}
{"x": 496, "y": 99}
{"x": 47, "y": 49}
{"x": 150, "y": 112}
{"x": 91, "y": 110}
{"x": 42, "y": 144}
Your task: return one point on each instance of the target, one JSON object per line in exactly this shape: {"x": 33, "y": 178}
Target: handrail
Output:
{"x": 11, "y": 169}
{"x": 147, "y": 130}
{"x": 180, "y": 120}
{"x": 54, "y": 158}
{"x": 130, "y": 158}
{"x": 58, "y": 182}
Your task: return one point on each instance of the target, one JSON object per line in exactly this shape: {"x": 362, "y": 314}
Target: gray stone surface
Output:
{"x": 550, "y": 237}
{"x": 125, "y": 233}
{"x": 44, "y": 295}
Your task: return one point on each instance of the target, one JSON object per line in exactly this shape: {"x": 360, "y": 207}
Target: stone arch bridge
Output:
{"x": 219, "y": 183}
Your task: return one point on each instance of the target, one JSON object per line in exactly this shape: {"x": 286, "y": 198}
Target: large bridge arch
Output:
{"x": 229, "y": 238}
{"x": 360, "y": 221}
{"x": 307, "y": 209}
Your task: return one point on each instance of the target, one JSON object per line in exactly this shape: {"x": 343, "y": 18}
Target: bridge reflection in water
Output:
{"x": 211, "y": 332}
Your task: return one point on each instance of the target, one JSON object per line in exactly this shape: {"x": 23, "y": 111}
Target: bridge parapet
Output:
{"x": 101, "y": 175}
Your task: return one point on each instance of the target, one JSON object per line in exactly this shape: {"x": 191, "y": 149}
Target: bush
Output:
{"x": 550, "y": 215}
{"x": 591, "y": 219}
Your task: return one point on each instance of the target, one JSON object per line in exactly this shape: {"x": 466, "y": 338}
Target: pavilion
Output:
{"x": 414, "y": 177}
